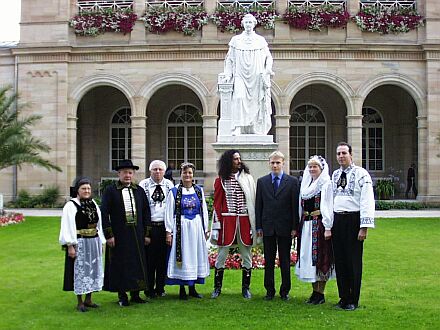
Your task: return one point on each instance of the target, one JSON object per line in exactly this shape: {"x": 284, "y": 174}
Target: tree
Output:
{"x": 17, "y": 145}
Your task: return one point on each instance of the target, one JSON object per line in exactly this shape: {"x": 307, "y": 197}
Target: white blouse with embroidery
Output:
{"x": 357, "y": 195}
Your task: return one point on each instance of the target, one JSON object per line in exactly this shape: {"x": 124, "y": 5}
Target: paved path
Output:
{"x": 432, "y": 213}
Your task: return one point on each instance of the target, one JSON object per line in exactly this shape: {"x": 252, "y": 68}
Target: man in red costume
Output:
{"x": 234, "y": 217}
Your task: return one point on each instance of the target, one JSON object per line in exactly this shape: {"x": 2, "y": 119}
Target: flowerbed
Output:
{"x": 92, "y": 23}
{"x": 385, "y": 21}
{"x": 233, "y": 260}
{"x": 229, "y": 18}
{"x": 10, "y": 218}
{"x": 187, "y": 20}
{"x": 316, "y": 18}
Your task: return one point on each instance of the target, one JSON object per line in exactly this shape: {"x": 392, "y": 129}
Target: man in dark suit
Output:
{"x": 126, "y": 224}
{"x": 277, "y": 219}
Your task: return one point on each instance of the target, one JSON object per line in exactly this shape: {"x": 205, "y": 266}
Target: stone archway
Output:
{"x": 103, "y": 132}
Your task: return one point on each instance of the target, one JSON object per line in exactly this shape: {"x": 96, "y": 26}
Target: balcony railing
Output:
{"x": 173, "y": 3}
{"x": 98, "y": 5}
{"x": 389, "y": 4}
{"x": 315, "y": 3}
{"x": 245, "y": 4}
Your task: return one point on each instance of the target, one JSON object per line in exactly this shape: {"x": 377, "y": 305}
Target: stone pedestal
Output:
{"x": 254, "y": 149}
{"x": 254, "y": 155}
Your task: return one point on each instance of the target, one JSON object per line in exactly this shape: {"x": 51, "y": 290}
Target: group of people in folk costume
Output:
{"x": 155, "y": 233}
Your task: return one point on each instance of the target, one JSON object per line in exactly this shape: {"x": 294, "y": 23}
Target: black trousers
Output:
{"x": 271, "y": 243}
{"x": 348, "y": 256}
{"x": 157, "y": 260}
{"x": 411, "y": 184}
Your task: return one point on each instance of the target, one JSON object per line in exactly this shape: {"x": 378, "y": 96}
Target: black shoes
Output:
{"x": 285, "y": 297}
{"x": 316, "y": 298}
{"x": 350, "y": 307}
{"x": 137, "y": 300}
{"x": 312, "y": 298}
{"x": 346, "y": 307}
{"x": 319, "y": 300}
{"x": 81, "y": 308}
{"x": 193, "y": 293}
{"x": 91, "y": 305}
{"x": 268, "y": 297}
{"x": 123, "y": 302}
{"x": 341, "y": 304}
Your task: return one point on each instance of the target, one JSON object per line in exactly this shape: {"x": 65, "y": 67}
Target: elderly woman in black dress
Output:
{"x": 81, "y": 236}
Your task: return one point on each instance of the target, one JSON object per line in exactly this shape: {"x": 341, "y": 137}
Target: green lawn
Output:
{"x": 401, "y": 288}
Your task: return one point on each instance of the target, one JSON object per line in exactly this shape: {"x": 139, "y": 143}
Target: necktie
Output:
{"x": 158, "y": 195}
{"x": 275, "y": 184}
{"x": 342, "y": 182}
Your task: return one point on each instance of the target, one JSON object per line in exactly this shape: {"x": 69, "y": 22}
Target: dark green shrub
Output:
{"x": 384, "y": 189}
{"x": 104, "y": 184}
{"x": 24, "y": 200}
{"x": 47, "y": 199}
{"x": 381, "y": 205}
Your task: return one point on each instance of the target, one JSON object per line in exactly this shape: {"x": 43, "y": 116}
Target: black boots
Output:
{"x": 245, "y": 283}
{"x": 218, "y": 281}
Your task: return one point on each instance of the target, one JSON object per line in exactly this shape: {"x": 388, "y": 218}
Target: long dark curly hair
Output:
{"x": 225, "y": 164}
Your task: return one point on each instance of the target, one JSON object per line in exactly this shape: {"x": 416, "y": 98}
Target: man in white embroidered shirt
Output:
{"x": 354, "y": 214}
{"x": 156, "y": 189}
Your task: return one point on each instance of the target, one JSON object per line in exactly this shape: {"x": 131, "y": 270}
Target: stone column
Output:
{"x": 354, "y": 136}
{"x": 209, "y": 31}
{"x": 209, "y": 154}
{"x": 423, "y": 155}
{"x": 71, "y": 162}
{"x": 283, "y": 137}
{"x": 138, "y": 34}
{"x": 282, "y": 31}
{"x": 354, "y": 34}
{"x": 432, "y": 17}
{"x": 138, "y": 136}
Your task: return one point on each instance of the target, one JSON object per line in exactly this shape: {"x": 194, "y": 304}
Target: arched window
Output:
{"x": 307, "y": 135}
{"x": 372, "y": 140}
{"x": 185, "y": 136}
{"x": 120, "y": 137}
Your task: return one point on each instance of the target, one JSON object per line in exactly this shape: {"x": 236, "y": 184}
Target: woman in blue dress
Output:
{"x": 186, "y": 224}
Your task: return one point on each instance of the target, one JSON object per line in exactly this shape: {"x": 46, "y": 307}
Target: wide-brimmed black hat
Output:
{"x": 126, "y": 163}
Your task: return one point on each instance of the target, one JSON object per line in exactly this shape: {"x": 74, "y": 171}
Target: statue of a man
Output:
{"x": 248, "y": 65}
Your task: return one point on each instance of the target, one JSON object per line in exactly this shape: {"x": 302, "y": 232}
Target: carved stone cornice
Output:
{"x": 280, "y": 52}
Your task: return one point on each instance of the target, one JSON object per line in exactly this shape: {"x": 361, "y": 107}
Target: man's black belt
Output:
{"x": 348, "y": 212}
{"x": 157, "y": 223}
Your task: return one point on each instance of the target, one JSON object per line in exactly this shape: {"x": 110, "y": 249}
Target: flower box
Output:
{"x": 187, "y": 20}
{"x": 388, "y": 20}
{"x": 228, "y": 19}
{"x": 316, "y": 18}
{"x": 93, "y": 23}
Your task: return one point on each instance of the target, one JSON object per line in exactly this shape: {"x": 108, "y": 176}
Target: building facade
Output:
{"x": 150, "y": 96}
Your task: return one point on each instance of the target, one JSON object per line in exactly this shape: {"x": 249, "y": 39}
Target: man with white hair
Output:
{"x": 156, "y": 188}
